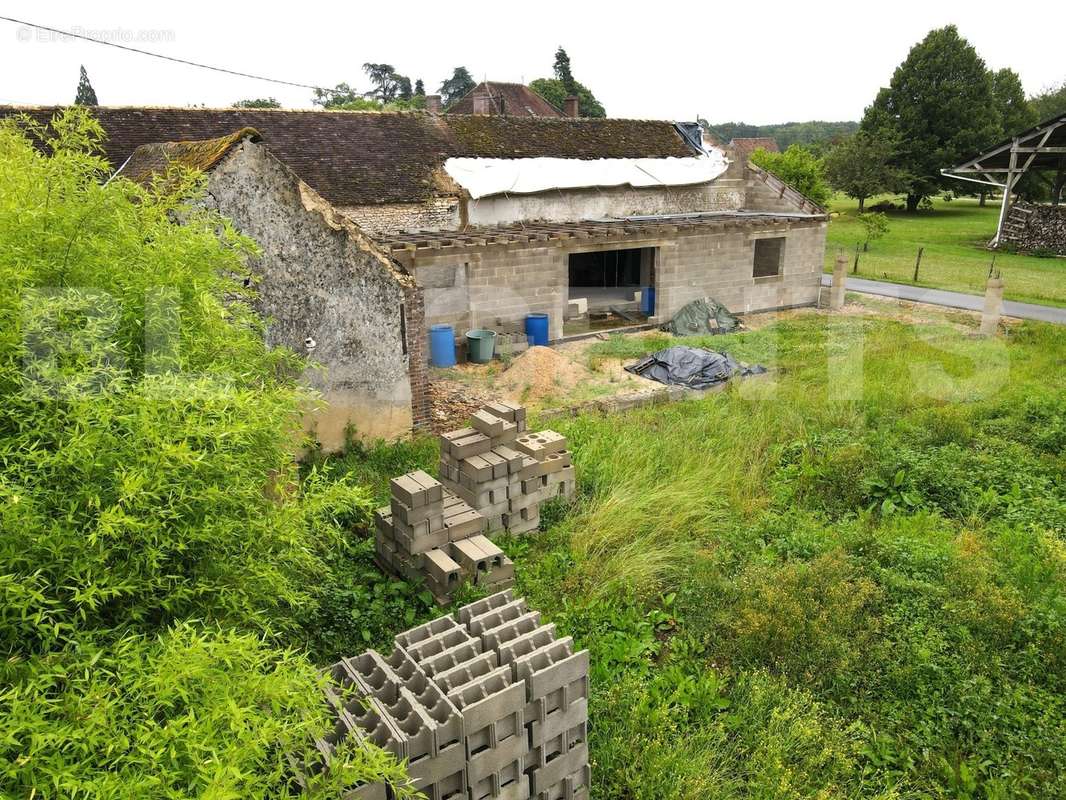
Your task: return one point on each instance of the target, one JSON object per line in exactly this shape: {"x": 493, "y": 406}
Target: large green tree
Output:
{"x": 1015, "y": 113}
{"x": 86, "y": 95}
{"x": 339, "y": 96}
{"x": 859, "y": 166}
{"x": 388, "y": 84}
{"x": 940, "y": 106}
{"x": 456, "y": 86}
{"x": 1049, "y": 103}
{"x": 556, "y": 90}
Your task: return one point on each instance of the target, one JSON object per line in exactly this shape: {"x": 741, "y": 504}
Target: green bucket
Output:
{"x": 480, "y": 345}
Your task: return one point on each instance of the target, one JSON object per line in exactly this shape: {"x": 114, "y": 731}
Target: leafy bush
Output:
{"x": 799, "y": 168}
{"x": 153, "y": 554}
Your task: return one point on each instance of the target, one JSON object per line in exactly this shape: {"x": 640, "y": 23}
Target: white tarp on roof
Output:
{"x": 486, "y": 176}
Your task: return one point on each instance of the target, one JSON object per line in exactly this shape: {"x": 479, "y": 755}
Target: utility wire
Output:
{"x": 169, "y": 58}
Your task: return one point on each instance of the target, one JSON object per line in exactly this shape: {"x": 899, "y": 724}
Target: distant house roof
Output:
{"x": 149, "y": 160}
{"x": 360, "y": 158}
{"x": 512, "y": 99}
{"x": 743, "y": 148}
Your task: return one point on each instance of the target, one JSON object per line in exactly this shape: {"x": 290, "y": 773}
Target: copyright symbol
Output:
{"x": 24, "y": 34}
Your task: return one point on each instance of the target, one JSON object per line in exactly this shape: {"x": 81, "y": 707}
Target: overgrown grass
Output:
{"x": 954, "y": 235}
{"x": 846, "y": 580}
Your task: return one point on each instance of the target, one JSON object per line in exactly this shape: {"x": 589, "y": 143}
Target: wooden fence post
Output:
{"x": 918, "y": 263}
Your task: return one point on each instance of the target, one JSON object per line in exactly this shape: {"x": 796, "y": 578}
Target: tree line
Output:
{"x": 392, "y": 91}
{"x": 942, "y": 105}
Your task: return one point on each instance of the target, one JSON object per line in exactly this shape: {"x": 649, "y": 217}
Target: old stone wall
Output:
{"x": 436, "y": 214}
{"x": 324, "y": 282}
{"x": 575, "y": 205}
{"x": 1036, "y": 227}
{"x": 501, "y": 283}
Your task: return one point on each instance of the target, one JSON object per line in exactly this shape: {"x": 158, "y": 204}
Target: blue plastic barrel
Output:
{"x": 442, "y": 346}
{"x": 537, "y": 329}
{"x": 647, "y": 301}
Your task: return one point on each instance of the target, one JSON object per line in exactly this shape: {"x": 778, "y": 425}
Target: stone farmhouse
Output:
{"x": 375, "y": 226}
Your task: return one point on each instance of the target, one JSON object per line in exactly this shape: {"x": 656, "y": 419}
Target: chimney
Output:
{"x": 481, "y": 104}
{"x": 570, "y": 108}
{"x": 433, "y": 103}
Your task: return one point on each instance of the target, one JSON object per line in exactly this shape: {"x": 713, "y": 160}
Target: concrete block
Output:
{"x": 383, "y": 521}
{"x": 412, "y": 516}
{"x": 476, "y": 609}
{"x": 508, "y": 750}
{"x": 476, "y": 468}
{"x": 464, "y": 653}
{"x": 472, "y": 445}
{"x": 516, "y": 523}
{"x": 511, "y": 457}
{"x": 496, "y": 616}
{"x": 500, "y": 468}
{"x": 464, "y": 525}
{"x": 508, "y": 783}
{"x": 510, "y": 412}
{"x": 507, "y": 436}
{"x": 416, "y": 489}
{"x": 487, "y": 423}
{"x": 410, "y": 491}
{"x": 540, "y": 445}
{"x": 554, "y": 462}
{"x": 442, "y": 569}
{"x": 577, "y": 307}
{"x": 556, "y": 770}
{"x": 451, "y": 787}
{"x": 435, "y": 645}
{"x": 531, "y": 468}
{"x": 572, "y": 787}
{"x": 500, "y": 575}
{"x": 420, "y": 543}
{"x": 494, "y": 638}
{"x": 475, "y": 555}
{"x": 491, "y": 707}
{"x": 525, "y": 644}
{"x": 558, "y": 721}
{"x": 554, "y": 673}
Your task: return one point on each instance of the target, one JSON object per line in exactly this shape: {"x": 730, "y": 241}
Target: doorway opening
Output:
{"x": 610, "y": 289}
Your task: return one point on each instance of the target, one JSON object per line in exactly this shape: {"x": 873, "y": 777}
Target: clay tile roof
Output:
{"x": 149, "y": 160}
{"x": 481, "y": 136}
{"x": 743, "y": 148}
{"x": 359, "y": 158}
{"x": 513, "y": 99}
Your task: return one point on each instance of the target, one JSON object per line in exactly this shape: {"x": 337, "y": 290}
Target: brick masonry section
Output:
{"x": 417, "y": 360}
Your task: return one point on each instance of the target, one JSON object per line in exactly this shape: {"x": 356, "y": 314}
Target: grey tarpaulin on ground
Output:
{"x": 702, "y": 316}
{"x": 691, "y": 367}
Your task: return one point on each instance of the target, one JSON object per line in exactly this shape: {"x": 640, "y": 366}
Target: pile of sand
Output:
{"x": 540, "y": 373}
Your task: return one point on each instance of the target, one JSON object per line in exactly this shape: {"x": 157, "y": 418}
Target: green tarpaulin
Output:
{"x": 702, "y": 316}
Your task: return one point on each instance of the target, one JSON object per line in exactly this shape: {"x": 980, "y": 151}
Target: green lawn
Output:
{"x": 954, "y": 235}
{"x": 846, "y": 580}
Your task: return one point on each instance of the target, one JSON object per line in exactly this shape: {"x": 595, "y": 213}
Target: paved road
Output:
{"x": 940, "y": 297}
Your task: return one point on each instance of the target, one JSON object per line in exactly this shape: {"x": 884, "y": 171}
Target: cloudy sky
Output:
{"x": 757, "y": 62}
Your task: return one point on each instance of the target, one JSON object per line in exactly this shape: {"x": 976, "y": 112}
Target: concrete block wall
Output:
{"x": 503, "y": 471}
{"x": 489, "y": 704}
{"x": 720, "y": 265}
{"x": 506, "y": 282}
{"x": 427, "y": 533}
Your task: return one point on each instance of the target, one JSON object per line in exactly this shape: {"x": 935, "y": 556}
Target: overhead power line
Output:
{"x": 169, "y": 58}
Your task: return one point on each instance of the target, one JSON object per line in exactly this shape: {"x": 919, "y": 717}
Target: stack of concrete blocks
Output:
{"x": 554, "y": 679}
{"x": 503, "y": 471}
{"x": 429, "y": 533}
{"x": 490, "y": 705}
